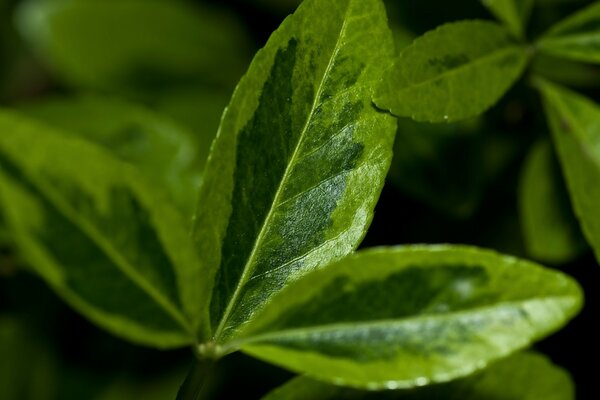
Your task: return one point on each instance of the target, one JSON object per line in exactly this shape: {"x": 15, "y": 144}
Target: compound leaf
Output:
{"x": 452, "y": 73}
{"x": 408, "y": 316}
{"x": 513, "y": 13}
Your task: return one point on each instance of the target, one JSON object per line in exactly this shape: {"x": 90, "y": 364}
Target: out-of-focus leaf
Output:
{"x": 108, "y": 242}
{"x": 200, "y": 112}
{"x": 160, "y": 148}
{"x": 523, "y": 376}
{"x": 300, "y": 158}
{"x": 514, "y": 13}
{"x": 161, "y": 388}
{"x": 448, "y": 166}
{"x": 133, "y": 45}
{"x": 407, "y": 316}
{"x": 27, "y": 369}
{"x": 567, "y": 72}
{"x": 577, "y": 37}
{"x": 550, "y": 228}
{"x": 575, "y": 124}
{"x": 452, "y": 73}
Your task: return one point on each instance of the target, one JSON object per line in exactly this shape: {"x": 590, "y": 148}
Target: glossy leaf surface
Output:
{"x": 129, "y": 45}
{"x": 523, "y": 376}
{"x": 160, "y": 148}
{"x": 454, "y": 72}
{"x": 577, "y": 37}
{"x": 300, "y": 157}
{"x": 575, "y": 124}
{"x": 407, "y": 316}
{"x": 514, "y": 13}
{"x": 550, "y": 228}
{"x": 100, "y": 235}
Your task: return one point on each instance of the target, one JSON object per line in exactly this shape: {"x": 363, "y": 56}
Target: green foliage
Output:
{"x": 127, "y": 45}
{"x": 524, "y": 376}
{"x": 576, "y": 133}
{"x": 98, "y": 192}
{"x": 551, "y": 231}
{"x": 452, "y": 73}
{"x": 407, "y": 316}
{"x": 299, "y": 160}
{"x": 514, "y": 13}
{"x": 576, "y": 37}
{"x": 100, "y": 228}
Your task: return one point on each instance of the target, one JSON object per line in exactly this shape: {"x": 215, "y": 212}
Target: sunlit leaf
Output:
{"x": 408, "y": 316}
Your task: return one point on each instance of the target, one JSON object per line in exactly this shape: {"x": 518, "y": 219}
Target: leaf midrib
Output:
{"x": 123, "y": 264}
{"x": 247, "y": 271}
{"x": 301, "y": 331}
{"x": 468, "y": 65}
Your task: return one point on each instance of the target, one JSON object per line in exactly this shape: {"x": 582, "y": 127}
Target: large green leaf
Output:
{"x": 159, "y": 147}
{"x": 575, "y": 124}
{"x": 514, "y": 13}
{"x": 550, "y": 228}
{"x": 408, "y": 316}
{"x": 452, "y": 73}
{"x": 300, "y": 157}
{"x": 128, "y": 45}
{"x": 107, "y": 241}
{"x": 577, "y": 37}
{"x": 524, "y": 376}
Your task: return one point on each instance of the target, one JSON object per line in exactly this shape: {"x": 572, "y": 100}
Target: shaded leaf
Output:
{"x": 300, "y": 157}
{"x": 160, "y": 148}
{"x": 150, "y": 44}
{"x": 111, "y": 245}
{"x": 454, "y": 72}
{"x": 550, "y": 228}
{"x": 566, "y": 72}
{"x": 523, "y": 376}
{"x": 577, "y": 37}
{"x": 408, "y": 316}
{"x": 575, "y": 125}
{"x": 513, "y": 13}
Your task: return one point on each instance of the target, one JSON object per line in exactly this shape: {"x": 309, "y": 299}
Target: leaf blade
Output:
{"x": 576, "y": 37}
{"x": 573, "y": 120}
{"x": 551, "y": 231}
{"x": 105, "y": 240}
{"x": 407, "y": 316}
{"x": 513, "y": 13}
{"x": 523, "y": 376}
{"x": 452, "y": 73}
{"x": 300, "y": 157}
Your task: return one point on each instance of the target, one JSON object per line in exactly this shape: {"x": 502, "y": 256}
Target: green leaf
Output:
{"x": 550, "y": 228}
{"x": 132, "y": 45}
{"x": 408, "y": 316}
{"x": 27, "y": 368}
{"x": 452, "y": 73}
{"x": 524, "y": 376}
{"x": 448, "y": 166}
{"x": 109, "y": 243}
{"x": 160, "y": 148}
{"x": 575, "y": 124}
{"x": 300, "y": 157}
{"x": 566, "y": 72}
{"x": 513, "y": 13}
{"x": 577, "y": 37}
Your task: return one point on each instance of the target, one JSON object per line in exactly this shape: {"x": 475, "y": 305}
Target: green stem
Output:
{"x": 193, "y": 388}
